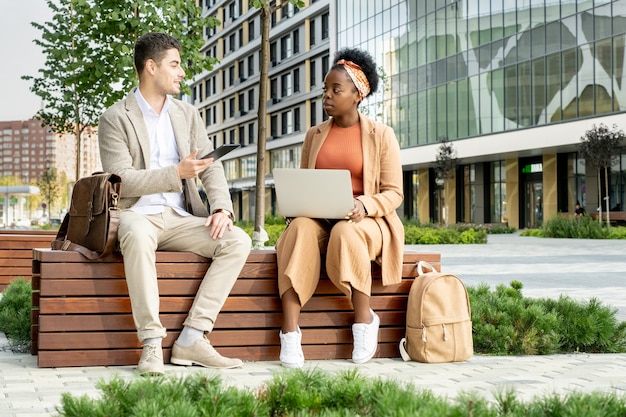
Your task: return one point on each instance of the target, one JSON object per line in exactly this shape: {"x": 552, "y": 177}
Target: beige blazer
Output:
{"x": 125, "y": 151}
{"x": 382, "y": 185}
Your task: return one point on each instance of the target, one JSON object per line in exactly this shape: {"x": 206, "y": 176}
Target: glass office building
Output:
{"x": 512, "y": 84}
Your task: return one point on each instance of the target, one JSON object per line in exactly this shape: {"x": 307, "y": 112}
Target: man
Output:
{"x": 151, "y": 141}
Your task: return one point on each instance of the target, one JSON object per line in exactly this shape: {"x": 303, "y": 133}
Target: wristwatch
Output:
{"x": 228, "y": 213}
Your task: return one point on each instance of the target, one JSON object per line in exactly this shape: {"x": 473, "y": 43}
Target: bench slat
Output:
{"x": 226, "y": 320}
{"x": 121, "y": 357}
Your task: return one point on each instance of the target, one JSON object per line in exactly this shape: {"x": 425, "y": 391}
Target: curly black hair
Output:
{"x": 364, "y": 60}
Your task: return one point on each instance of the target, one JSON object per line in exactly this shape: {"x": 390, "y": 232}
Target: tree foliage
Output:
{"x": 445, "y": 159}
{"x": 50, "y": 188}
{"x": 600, "y": 147}
{"x": 88, "y": 48}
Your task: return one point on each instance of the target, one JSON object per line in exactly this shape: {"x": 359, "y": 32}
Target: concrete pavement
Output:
{"x": 547, "y": 268}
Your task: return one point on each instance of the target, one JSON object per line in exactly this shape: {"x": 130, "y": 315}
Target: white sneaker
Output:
{"x": 291, "y": 355}
{"x": 365, "y": 338}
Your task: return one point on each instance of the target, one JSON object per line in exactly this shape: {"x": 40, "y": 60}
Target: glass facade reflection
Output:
{"x": 496, "y": 74}
{"x": 466, "y": 68}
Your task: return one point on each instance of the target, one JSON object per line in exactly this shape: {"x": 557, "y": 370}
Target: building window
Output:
{"x": 241, "y": 70}
{"x": 285, "y": 83}
{"x": 285, "y": 47}
{"x": 241, "y": 100}
{"x": 251, "y": 101}
{"x": 242, "y": 134}
{"x": 231, "y": 75}
{"x": 286, "y": 123}
{"x": 231, "y": 108}
{"x": 273, "y": 89}
{"x": 296, "y": 80}
{"x": 273, "y": 127}
{"x": 296, "y": 41}
{"x": 313, "y": 108}
{"x": 312, "y": 32}
{"x": 251, "y": 31}
{"x": 313, "y": 73}
{"x": 251, "y": 65}
{"x": 325, "y": 66}
{"x": 325, "y": 27}
{"x": 296, "y": 120}
{"x": 273, "y": 54}
{"x": 251, "y": 133}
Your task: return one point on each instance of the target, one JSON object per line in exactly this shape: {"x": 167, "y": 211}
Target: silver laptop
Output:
{"x": 314, "y": 193}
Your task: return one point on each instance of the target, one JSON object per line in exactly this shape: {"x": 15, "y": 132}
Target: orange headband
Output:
{"x": 357, "y": 76}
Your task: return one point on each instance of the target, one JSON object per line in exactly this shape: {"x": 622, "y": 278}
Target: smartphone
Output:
{"x": 221, "y": 151}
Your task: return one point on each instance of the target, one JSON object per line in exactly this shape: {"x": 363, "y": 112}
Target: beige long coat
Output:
{"x": 382, "y": 186}
{"x": 125, "y": 151}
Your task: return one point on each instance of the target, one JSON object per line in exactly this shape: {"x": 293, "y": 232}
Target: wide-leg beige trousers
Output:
{"x": 349, "y": 249}
{"x": 141, "y": 235}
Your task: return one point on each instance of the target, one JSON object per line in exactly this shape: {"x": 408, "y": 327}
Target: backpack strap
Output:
{"x": 403, "y": 352}
{"x": 421, "y": 265}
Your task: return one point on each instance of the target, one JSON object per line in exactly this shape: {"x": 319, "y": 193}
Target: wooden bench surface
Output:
{"x": 82, "y": 313}
{"x": 16, "y": 253}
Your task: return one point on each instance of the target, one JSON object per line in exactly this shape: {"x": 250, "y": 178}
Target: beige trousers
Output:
{"x": 141, "y": 235}
{"x": 349, "y": 249}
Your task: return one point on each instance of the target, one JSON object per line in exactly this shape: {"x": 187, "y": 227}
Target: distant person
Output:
{"x": 579, "y": 211}
{"x": 152, "y": 141}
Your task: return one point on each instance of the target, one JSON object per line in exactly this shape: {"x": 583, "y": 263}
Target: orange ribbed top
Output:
{"x": 343, "y": 149}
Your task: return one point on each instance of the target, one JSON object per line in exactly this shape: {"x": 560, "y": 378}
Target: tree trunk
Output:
{"x": 599, "y": 196}
{"x": 260, "y": 236}
{"x": 606, "y": 189}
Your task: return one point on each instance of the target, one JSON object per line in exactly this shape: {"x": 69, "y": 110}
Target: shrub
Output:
{"x": 307, "y": 393}
{"x": 15, "y": 308}
{"x": 414, "y": 235}
{"x": 573, "y": 228}
{"x": 532, "y": 233}
{"x": 506, "y": 323}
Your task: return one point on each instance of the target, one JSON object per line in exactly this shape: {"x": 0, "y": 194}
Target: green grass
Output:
{"x": 306, "y": 393}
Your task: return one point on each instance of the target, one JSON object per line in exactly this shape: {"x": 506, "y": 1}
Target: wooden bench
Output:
{"x": 82, "y": 313}
{"x": 615, "y": 217}
{"x": 16, "y": 253}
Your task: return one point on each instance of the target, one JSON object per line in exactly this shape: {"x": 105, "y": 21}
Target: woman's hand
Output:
{"x": 358, "y": 213}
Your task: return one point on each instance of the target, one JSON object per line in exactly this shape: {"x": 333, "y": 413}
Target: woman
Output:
{"x": 372, "y": 231}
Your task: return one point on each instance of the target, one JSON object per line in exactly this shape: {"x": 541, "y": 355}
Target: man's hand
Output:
{"x": 219, "y": 222}
{"x": 190, "y": 167}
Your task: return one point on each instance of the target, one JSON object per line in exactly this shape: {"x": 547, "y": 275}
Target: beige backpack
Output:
{"x": 438, "y": 319}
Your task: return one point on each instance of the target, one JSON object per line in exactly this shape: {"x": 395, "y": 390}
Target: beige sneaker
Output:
{"x": 151, "y": 361}
{"x": 203, "y": 354}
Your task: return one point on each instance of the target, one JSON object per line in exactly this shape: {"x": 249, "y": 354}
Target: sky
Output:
{"x": 21, "y": 55}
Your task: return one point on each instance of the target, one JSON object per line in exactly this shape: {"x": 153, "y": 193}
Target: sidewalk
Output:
{"x": 546, "y": 267}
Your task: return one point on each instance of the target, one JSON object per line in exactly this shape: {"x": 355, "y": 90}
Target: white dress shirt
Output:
{"x": 163, "y": 152}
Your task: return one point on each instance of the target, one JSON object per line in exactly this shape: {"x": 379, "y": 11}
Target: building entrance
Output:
{"x": 534, "y": 204}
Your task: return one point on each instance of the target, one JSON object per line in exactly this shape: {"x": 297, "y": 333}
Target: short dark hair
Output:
{"x": 153, "y": 46}
{"x": 364, "y": 60}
